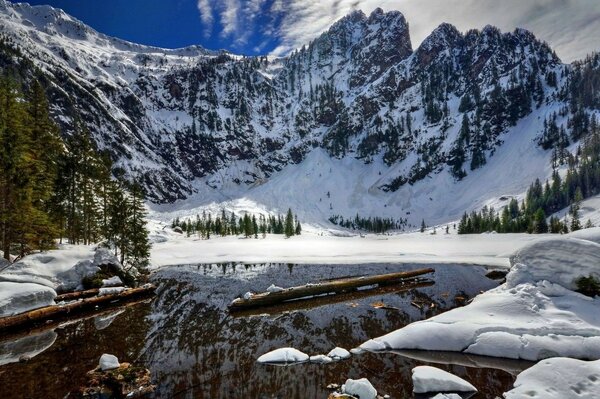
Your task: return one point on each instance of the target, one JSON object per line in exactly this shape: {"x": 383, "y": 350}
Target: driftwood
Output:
{"x": 37, "y": 316}
{"x": 316, "y": 302}
{"x": 323, "y": 288}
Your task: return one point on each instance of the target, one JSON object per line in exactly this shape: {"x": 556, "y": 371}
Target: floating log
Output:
{"x": 323, "y": 288}
{"x": 37, "y": 316}
{"x": 319, "y": 301}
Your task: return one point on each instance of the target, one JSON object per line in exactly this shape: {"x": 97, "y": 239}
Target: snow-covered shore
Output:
{"x": 483, "y": 249}
{"x": 33, "y": 282}
{"x": 533, "y": 316}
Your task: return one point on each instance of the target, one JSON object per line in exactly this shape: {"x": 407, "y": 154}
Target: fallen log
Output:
{"x": 71, "y": 296}
{"x": 37, "y": 316}
{"x": 25, "y": 330}
{"x": 319, "y": 301}
{"x": 323, "y": 288}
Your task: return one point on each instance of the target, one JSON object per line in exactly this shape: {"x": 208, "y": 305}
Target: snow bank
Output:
{"x": 360, "y": 388}
{"x": 108, "y": 362}
{"x": 558, "y": 260}
{"x": 50, "y": 268}
{"x": 533, "y": 316}
{"x": 428, "y": 379}
{"x": 21, "y": 297}
{"x": 339, "y": 354}
{"x": 558, "y": 378}
{"x": 62, "y": 269}
{"x": 284, "y": 356}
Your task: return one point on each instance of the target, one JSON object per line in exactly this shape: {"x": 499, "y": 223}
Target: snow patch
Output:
{"x": 427, "y": 379}
{"x": 110, "y": 290}
{"x": 284, "y": 356}
{"x": 114, "y": 281}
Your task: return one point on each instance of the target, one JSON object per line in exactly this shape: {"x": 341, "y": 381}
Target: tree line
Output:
{"x": 227, "y": 223}
{"x": 52, "y": 189}
{"x": 375, "y": 224}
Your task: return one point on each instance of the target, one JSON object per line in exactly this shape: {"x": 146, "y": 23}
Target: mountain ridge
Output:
{"x": 185, "y": 123}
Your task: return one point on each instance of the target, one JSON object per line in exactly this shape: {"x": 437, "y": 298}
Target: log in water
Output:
{"x": 323, "y": 288}
{"x": 36, "y": 316}
{"x": 305, "y": 304}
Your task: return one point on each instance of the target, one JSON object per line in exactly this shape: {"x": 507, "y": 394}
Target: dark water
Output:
{"x": 196, "y": 349}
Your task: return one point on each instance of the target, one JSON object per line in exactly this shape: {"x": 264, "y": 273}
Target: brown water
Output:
{"x": 196, "y": 349}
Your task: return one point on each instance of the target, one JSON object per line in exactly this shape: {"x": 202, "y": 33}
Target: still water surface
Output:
{"x": 196, "y": 349}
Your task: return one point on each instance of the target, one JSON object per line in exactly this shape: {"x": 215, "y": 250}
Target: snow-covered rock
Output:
{"x": 284, "y": 356}
{"x": 71, "y": 279}
{"x": 20, "y": 297}
{"x": 274, "y": 288}
{"x": 533, "y": 316}
{"x": 109, "y": 362}
{"x": 428, "y": 379}
{"x": 361, "y": 388}
{"x": 320, "y": 359}
{"x": 110, "y": 290}
{"x": 114, "y": 281}
{"x": 339, "y": 354}
{"x": 558, "y": 378}
{"x": 248, "y": 295}
{"x": 105, "y": 257}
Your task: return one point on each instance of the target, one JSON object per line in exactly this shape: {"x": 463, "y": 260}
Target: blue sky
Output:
{"x": 276, "y": 27}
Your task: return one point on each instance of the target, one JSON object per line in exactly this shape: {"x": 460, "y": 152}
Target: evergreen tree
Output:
{"x": 138, "y": 252}
{"x": 289, "y": 224}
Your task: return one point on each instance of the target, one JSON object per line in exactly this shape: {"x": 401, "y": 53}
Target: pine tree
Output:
{"x": 289, "y": 224}
{"x": 138, "y": 251}
{"x": 423, "y": 226}
{"x": 15, "y": 163}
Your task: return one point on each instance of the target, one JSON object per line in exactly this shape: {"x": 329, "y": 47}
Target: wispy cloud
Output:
{"x": 206, "y": 15}
{"x": 570, "y": 26}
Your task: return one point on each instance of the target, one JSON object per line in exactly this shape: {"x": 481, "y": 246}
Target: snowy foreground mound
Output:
{"x": 32, "y": 282}
{"x": 534, "y": 315}
{"x": 558, "y": 378}
{"x": 61, "y": 269}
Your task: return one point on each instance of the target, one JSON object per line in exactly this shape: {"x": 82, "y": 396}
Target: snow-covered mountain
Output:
{"x": 354, "y": 122}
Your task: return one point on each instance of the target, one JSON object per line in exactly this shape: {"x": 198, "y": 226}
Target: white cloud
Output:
{"x": 206, "y": 15}
{"x": 570, "y": 26}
